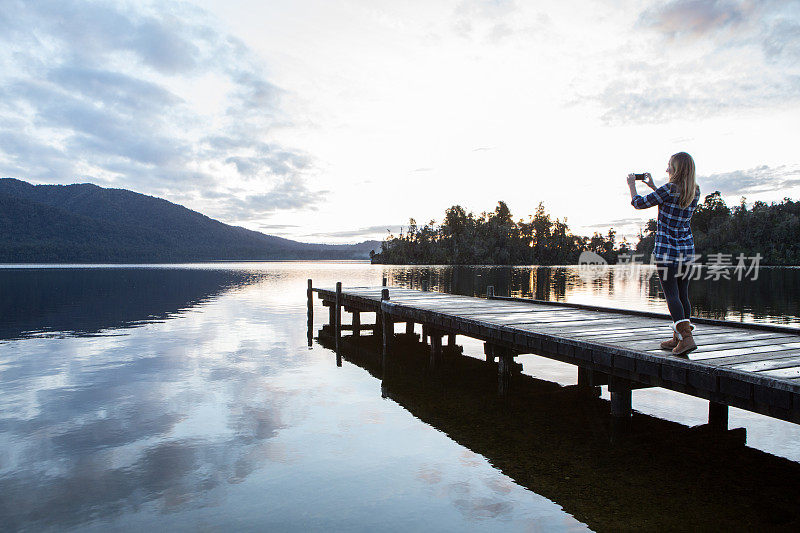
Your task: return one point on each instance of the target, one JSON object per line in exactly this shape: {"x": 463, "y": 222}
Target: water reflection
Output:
{"x": 774, "y": 297}
{"x": 187, "y": 398}
{"x": 213, "y": 413}
{"x": 84, "y": 301}
{"x": 557, "y": 442}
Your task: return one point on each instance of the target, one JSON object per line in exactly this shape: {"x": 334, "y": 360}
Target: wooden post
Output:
{"x": 490, "y": 292}
{"x": 620, "y": 397}
{"x": 409, "y": 328}
{"x": 388, "y": 327}
{"x": 426, "y": 332}
{"x": 488, "y": 350}
{"x": 451, "y": 341}
{"x": 337, "y": 327}
{"x": 583, "y": 377}
{"x": 384, "y": 282}
{"x": 332, "y": 315}
{"x": 586, "y": 381}
{"x": 718, "y": 416}
{"x": 356, "y": 323}
{"x": 310, "y": 296}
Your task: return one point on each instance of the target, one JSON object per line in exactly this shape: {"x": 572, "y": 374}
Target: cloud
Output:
{"x": 751, "y": 181}
{"x": 289, "y": 193}
{"x": 103, "y": 439}
{"x": 771, "y": 25}
{"x": 277, "y": 162}
{"x": 277, "y": 229}
{"x": 379, "y": 231}
{"x": 493, "y": 20}
{"x": 630, "y": 221}
{"x": 113, "y": 89}
{"x": 695, "y": 18}
{"x": 782, "y": 41}
{"x": 701, "y": 58}
{"x": 99, "y": 31}
{"x": 125, "y": 95}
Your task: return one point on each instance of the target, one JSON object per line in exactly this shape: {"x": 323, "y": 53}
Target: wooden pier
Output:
{"x": 750, "y": 366}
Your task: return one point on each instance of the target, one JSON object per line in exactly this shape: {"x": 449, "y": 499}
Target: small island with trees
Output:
{"x": 495, "y": 238}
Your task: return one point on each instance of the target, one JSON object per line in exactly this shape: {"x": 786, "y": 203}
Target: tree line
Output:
{"x": 496, "y": 238}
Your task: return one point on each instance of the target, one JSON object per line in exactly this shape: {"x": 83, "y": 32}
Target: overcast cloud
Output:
{"x": 691, "y": 59}
{"x": 371, "y": 232}
{"x": 150, "y": 98}
{"x": 754, "y": 180}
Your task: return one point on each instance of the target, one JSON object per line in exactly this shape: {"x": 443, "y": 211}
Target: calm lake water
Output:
{"x": 185, "y": 397}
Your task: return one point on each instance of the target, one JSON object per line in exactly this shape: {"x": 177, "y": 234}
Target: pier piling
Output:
{"x": 337, "y": 328}
{"x": 310, "y": 312}
{"x": 387, "y": 327}
{"x": 718, "y": 416}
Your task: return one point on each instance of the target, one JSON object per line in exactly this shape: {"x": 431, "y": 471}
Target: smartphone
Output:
{"x": 640, "y": 176}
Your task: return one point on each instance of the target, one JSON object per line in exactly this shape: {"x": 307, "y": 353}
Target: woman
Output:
{"x": 676, "y": 201}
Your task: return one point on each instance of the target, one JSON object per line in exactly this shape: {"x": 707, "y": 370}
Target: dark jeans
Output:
{"x": 676, "y": 289}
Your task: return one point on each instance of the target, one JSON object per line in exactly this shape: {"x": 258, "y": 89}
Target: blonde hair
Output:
{"x": 682, "y": 166}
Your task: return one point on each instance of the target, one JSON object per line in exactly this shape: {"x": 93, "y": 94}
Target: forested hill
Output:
{"x": 495, "y": 238}
{"x": 87, "y": 223}
{"x": 773, "y": 231}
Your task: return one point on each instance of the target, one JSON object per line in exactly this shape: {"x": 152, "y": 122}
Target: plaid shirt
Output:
{"x": 674, "y": 240}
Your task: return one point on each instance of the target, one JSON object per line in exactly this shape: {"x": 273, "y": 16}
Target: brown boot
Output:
{"x": 669, "y": 345}
{"x": 673, "y": 342}
{"x": 685, "y": 341}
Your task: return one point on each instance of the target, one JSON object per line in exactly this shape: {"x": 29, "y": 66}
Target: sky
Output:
{"x": 337, "y": 121}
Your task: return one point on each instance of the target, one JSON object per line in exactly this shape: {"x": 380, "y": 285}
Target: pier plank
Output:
{"x": 737, "y": 359}
{"x": 719, "y": 341}
{"x": 767, "y": 364}
{"x": 792, "y": 372}
{"x": 701, "y": 353}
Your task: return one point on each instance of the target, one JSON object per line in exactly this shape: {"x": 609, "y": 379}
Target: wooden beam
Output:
{"x": 718, "y": 416}
{"x": 620, "y": 397}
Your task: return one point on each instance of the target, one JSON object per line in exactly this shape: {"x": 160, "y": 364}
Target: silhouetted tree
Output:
{"x": 494, "y": 238}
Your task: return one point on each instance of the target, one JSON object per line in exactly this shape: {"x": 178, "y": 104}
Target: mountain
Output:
{"x": 86, "y": 223}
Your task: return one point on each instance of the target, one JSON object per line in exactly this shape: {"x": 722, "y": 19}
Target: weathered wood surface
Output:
{"x": 752, "y": 366}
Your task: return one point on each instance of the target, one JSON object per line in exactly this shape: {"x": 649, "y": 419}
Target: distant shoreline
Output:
{"x": 185, "y": 263}
{"x": 9, "y": 266}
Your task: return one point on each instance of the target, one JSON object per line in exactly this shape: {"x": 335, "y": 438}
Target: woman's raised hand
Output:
{"x": 648, "y": 179}
{"x": 631, "y": 179}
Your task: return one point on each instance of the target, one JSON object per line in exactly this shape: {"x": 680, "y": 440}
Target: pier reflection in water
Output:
{"x": 560, "y": 443}
{"x": 774, "y": 297}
